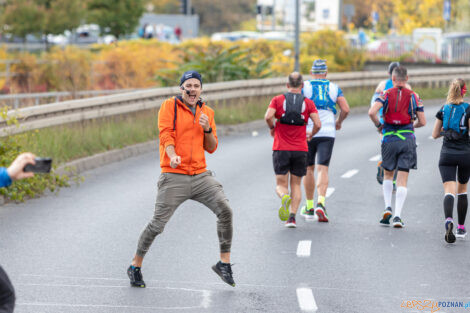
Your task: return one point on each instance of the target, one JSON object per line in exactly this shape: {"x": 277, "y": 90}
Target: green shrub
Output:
{"x": 20, "y": 190}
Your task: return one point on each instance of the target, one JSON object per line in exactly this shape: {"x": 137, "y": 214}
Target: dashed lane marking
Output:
{"x": 306, "y": 300}
{"x": 303, "y": 248}
{"x": 329, "y": 192}
{"x": 350, "y": 173}
{"x": 375, "y": 158}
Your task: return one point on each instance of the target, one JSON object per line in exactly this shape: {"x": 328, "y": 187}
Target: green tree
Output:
{"x": 61, "y": 15}
{"x": 117, "y": 18}
{"x": 218, "y": 64}
{"x": 23, "y": 17}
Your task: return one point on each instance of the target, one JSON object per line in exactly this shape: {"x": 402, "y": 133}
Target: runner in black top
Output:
{"x": 452, "y": 122}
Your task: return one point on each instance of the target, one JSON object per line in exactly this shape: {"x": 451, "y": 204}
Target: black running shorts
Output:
{"x": 7, "y": 293}
{"x": 454, "y": 167}
{"x": 399, "y": 154}
{"x": 294, "y": 162}
{"x": 320, "y": 148}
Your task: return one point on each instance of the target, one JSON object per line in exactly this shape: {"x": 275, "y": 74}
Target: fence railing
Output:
{"x": 21, "y": 100}
{"x": 47, "y": 115}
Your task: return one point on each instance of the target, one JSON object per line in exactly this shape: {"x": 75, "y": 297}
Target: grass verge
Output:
{"x": 68, "y": 142}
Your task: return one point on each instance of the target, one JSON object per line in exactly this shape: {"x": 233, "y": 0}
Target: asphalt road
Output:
{"x": 69, "y": 252}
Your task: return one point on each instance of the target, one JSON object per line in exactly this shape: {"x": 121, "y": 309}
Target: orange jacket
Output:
{"x": 187, "y": 137}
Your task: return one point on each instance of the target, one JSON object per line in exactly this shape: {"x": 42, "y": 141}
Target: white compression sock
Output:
{"x": 400, "y": 199}
{"x": 387, "y": 187}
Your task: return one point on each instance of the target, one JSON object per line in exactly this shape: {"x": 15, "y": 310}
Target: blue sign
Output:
{"x": 375, "y": 16}
{"x": 326, "y": 13}
{"x": 446, "y": 10}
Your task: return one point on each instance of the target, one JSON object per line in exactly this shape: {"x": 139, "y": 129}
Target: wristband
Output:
{"x": 272, "y": 127}
{"x": 378, "y": 125}
{"x": 209, "y": 131}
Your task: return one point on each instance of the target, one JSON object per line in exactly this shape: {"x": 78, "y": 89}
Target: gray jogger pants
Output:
{"x": 173, "y": 190}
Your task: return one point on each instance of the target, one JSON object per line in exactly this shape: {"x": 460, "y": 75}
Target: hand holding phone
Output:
{"x": 43, "y": 165}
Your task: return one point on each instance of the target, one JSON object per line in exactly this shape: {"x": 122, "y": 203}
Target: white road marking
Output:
{"x": 375, "y": 158}
{"x": 254, "y": 133}
{"x": 51, "y": 304}
{"x": 206, "y": 299}
{"x": 329, "y": 191}
{"x": 306, "y": 300}
{"x": 303, "y": 248}
{"x": 350, "y": 173}
{"x": 205, "y": 302}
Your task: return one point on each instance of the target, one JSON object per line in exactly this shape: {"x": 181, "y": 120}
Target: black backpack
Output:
{"x": 295, "y": 105}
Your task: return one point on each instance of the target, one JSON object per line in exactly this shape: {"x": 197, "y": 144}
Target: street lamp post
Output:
{"x": 297, "y": 31}
{"x": 273, "y": 24}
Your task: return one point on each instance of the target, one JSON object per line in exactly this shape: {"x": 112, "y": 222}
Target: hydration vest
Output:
{"x": 321, "y": 95}
{"x": 454, "y": 117}
{"x": 294, "y": 106}
{"x": 401, "y": 106}
{"x": 388, "y": 84}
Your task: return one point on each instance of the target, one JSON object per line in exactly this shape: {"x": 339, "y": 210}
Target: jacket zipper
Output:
{"x": 398, "y": 97}
{"x": 451, "y": 113}
{"x": 192, "y": 138}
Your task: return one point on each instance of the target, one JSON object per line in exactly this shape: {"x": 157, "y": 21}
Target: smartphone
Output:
{"x": 43, "y": 165}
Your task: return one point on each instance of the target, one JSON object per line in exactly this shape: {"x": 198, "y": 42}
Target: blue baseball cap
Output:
{"x": 319, "y": 67}
{"x": 190, "y": 74}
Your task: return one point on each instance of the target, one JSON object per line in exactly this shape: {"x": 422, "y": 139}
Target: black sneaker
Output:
{"x": 380, "y": 173}
{"x": 224, "y": 270}
{"x": 386, "y": 216}
{"x": 135, "y": 275}
{"x": 397, "y": 222}
{"x": 449, "y": 236}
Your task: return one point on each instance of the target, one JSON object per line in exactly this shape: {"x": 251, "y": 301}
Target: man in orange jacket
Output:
{"x": 187, "y": 129}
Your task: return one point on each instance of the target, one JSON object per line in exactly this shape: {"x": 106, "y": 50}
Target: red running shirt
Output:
{"x": 290, "y": 137}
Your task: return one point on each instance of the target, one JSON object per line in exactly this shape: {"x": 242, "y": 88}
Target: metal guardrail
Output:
{"x": 17, "y": 101}
{"x": 85, "y": 109}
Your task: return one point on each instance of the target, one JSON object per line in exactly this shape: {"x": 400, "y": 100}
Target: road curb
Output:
{"x": 91, "y": 162}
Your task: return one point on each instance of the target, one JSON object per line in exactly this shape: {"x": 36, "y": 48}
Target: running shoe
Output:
{"x": 380, "y": 173}
{"x": 135, "y": 276}
{"x": 386, "y": 216}
{"x": 284, "y": 209}
{"x": 291, "y": 222}
{"x": 449, "y": 236}
{"x": 308, "y": 214}
{"x": 224, "y": 270}
{"x": 321, "y": 213}
{"x": 397, "y": 222}
{"x": 461, "y": 232}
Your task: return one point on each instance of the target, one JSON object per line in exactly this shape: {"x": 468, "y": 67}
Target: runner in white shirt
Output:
{"x": 325, "y": 95}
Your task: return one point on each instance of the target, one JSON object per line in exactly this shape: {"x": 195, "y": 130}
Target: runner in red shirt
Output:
{"x": 292, "y": 111}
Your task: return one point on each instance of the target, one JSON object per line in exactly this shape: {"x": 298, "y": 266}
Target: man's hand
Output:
{"x": 309, "y": 136}
{"x": 204, "y": 122}
{"x": 338, "y": 125}
{"x": 380, "y": 128}
{"x": 271, "y": 131}
{"x": 175, "y": 161}
{"x": 16, "y": 169}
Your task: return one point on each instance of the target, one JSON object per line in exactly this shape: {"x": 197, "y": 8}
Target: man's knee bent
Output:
{"x": 224, "y": 212}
